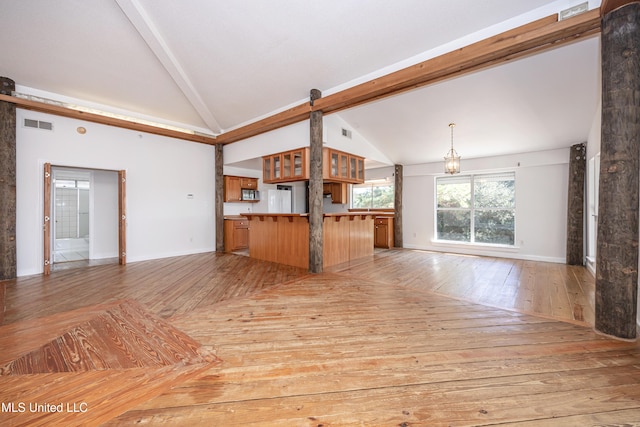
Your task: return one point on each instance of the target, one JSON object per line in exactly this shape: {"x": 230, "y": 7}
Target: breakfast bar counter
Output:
{"x": 284, "y": 238}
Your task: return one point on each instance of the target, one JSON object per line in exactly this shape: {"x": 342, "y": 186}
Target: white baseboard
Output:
{"x": 487, "y": 252}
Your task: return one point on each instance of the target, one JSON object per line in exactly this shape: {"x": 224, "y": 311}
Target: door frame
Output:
{"x": 122, "y": 215}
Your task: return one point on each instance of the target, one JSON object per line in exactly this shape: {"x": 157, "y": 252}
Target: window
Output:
{"x": 476, "y": 208}
{"x": 372, "y": 195}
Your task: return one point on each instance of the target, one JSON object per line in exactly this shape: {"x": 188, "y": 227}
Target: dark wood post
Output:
{"x": 315, "y": 188}
{"x": 219, "y": 203}
{"x": 397, "y": 207}
{"x": 8, "y": 260}
{"x": 617, "y": 245}
{"x": 575, "y": 206}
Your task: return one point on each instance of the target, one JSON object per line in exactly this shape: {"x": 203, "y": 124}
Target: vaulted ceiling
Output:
{"x": 215, "y": 65}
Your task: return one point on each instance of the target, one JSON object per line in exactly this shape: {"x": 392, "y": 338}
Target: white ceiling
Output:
{"x": 214, "y": 65}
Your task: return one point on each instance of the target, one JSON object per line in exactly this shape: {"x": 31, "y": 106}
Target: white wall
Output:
{"x": 161, "y": 171}
{"x": 541, "y": 205}
{"x": 283, "y": 139}
{"x": 541, "y": 195}
{"x": 104, "y": 215}
{"x": 356, "y": 144}
{"x": 296, "y": 136}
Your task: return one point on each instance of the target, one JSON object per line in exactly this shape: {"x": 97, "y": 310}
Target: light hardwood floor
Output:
{"x": 403, "y": 339}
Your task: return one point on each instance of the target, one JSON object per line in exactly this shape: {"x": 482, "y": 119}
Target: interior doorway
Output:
{"x": 82, "y": 217}
{"x": 71, "y": 215}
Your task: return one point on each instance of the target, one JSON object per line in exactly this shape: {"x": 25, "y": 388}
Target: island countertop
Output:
{"x": 325, "y": 215}
{"x": 284, "y": 237}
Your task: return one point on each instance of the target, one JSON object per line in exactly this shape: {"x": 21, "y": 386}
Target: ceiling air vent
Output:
{"x": 346, "y": 133}
{"x": 38, "y": 124}
{"x": 573, "y": 11}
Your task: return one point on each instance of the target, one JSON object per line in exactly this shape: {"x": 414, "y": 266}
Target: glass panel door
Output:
{"x": 353, "y": 169}
{"x": 344, "y": 165}
{"x": 277, "y": 173}
{"x": 335, "y": 171}
{"x": 286, "y": 165}
{"x": 297, "y": 164}
{"x": 266, "y": 168}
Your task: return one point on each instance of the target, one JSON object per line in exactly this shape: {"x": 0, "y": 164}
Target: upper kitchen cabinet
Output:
{"x": 240, "y": 189}
{"x": 287, "y": 166}
{"x": 339, "y": 166}
{"x": 293, "y": 165}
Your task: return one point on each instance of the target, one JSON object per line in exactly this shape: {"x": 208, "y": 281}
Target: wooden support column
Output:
{"x": 315, "y": 188}
{"x": 575, "y": 206}
{"x": 219, "y": 202}
{"x": 8, "y": 259}
{"x": 397, "y": 207}
{"x": 617, "y": 246}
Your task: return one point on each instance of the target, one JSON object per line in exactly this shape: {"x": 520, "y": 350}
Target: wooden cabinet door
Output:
{"x": 338, "y": 193}
{"x": 276, "y": 160}
{"x": 353, "y": 168}
{"x": 232, "y": 192}
{"x": 298, "y": 164}
{"x": 360, "y": 173}
{"x": 250, "y": 183}
{"x": 241, "y": 238}
{"x": 267, "y": 174}
{"x": 381, "y": 233}
{"x": 236, "y": 234}
{"x": 287, "y": 165}
{"x": 334, "y": 164}
{"x": 344, "y": 166}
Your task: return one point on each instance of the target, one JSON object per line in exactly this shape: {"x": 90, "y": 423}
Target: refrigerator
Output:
{"x": 279, "y": 201}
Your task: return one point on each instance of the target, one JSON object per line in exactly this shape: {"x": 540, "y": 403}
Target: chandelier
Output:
{"x": 452, "y": 160}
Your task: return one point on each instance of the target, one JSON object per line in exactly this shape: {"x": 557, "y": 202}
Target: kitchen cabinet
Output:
{"x": 293, "y": 165}
{"x": 288, "y": 166}
{"x": 383, "y": 232}
{"x": 236, "y": 234}
{"x": 232, "y": 192}
{"x": 342, "y": 167}
{"x": 338, "y": 191}
{"x": 249, "y": 183}
{"x": 233, "y": 186}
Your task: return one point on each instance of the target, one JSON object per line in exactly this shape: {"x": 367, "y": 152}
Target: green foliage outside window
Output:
{"x": 476, "y": 208}
{"x": 370, "y": 196}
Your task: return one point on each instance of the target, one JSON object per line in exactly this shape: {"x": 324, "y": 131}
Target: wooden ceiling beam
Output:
{"x": 525, "y": 40}
{"x": 522, "y": 41}
{"x": 58, "y": 110}
{"x": 284, "y": 118}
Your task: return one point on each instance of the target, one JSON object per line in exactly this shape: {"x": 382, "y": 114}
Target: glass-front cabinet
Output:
{"x": 353, "y": 168}
{"x": 343, "y": 167}
{"x": 277, "y": 163}
{"x": 360, "y": 170}
{"x": 299, "y": 163}
{"x": 335, "y": 164}
{"x": 267, "y": 175}
{"x": 293, "y": 165}
{"x": 288, "y": 166}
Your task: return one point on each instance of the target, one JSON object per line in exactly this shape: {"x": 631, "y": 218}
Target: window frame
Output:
{"x": 371, "y": 184}
{"x": 473, "y": 210}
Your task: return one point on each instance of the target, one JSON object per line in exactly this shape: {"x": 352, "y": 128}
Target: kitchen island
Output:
{"x": 284, "y": 238}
